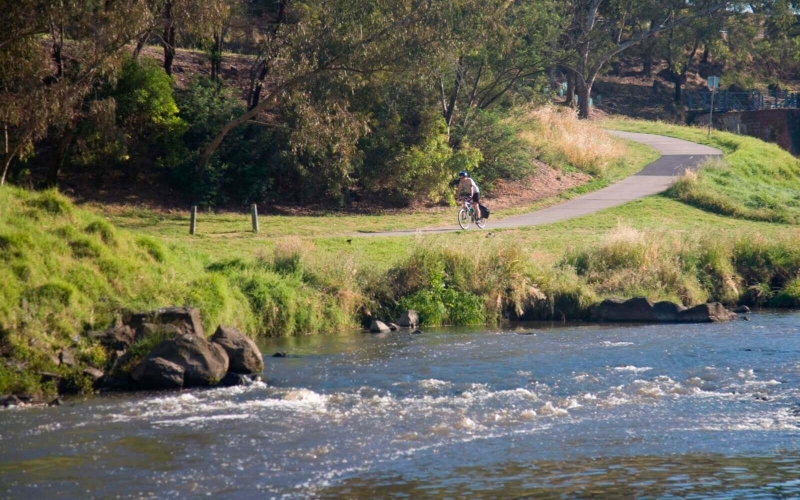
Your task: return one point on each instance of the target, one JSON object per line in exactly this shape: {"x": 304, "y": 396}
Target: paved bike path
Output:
{"x": 677, "y": 156}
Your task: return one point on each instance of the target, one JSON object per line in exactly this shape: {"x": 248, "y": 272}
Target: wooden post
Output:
{"x": 254, "y": 214}
{"x": 193, "y": 221}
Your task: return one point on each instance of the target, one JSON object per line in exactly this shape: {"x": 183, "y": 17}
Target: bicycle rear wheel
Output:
{"x": 463, "y": 218}
{"x": 481, "y": 223}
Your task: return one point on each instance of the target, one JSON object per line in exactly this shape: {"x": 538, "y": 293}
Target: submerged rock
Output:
{"x": 393, "y": 327}
{"x": 243, "y": 353}
{"x": 643, "y": 310}
{"x": 378, "y": 327}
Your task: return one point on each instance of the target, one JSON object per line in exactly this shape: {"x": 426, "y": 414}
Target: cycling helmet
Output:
{"x": 463, "y": 173}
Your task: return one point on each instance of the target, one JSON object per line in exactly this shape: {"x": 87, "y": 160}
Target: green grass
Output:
{"x": 755, "y": 180}
{"x": 65, "y": 272}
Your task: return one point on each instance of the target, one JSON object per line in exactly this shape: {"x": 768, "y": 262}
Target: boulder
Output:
{"x": 667, "y": 312}
{"x": 638, "y": 309}
{"x": 243, "y": 353}
{"x": 409, "y": 319}
{"x": 741, "y": 309}
{"x": 158, "y": 373}
{"x": 713, "y": 312}
{"x": 378, "y": 327}
{"x": 417, "y": 332}
{"x": 393, "y": 326}
{"x": 643, "y": 310}
{"x": 204, "y": 363}
{"x": 117, "y": 338}
{"x": 185, "y": 319}
{"x": 279, "y": 355}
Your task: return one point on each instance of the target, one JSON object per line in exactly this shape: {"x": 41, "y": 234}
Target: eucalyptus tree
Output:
{"x": 602, "y": 29}
{"x": 491, "y": 48}
{"x": 329, "y": 46}
{"x": 43, "y": 90}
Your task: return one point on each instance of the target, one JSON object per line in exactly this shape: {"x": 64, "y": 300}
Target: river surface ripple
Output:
{"x": 660, "y": 411}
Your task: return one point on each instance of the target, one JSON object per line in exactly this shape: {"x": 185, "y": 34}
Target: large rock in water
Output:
{"x": 243, "y": 353}
{"x": 379, "y": 327}
{"x": 185, "y": 319}
{"x": 713, "y": 312}
{"x": 409, "y": 319}
{"x": 643, "y": 310}
{"x": 158, "y": 373}
{"x": 204, "y": 363}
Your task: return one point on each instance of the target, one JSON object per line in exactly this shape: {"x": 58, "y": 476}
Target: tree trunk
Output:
{"x": 8, "y": 160}
{"x": 451, "y": 105}
{"x": 705, "y": 55}
{"x": 169, "y": 48}
{"x": 570, "y": 96}
{"x": 168, "y": 40}
{"x": 216, "y": 56}
{"x": 678, "y": 84}
{"x": 140, "y": 43}
{"x": 584, "y": 91}
{"x": 255, "y": 96}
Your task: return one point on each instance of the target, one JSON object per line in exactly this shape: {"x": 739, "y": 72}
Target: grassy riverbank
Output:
{"x": 68, "y": 271}
{"x": 755, "y": 180}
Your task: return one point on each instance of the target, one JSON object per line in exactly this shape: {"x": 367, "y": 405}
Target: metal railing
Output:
{"x": 755, "y": 100}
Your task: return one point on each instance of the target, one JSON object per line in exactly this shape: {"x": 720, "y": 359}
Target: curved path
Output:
{"x": 677, "y": 156}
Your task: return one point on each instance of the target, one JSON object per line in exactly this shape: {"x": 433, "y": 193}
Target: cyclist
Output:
{"x": 467, "y": 186}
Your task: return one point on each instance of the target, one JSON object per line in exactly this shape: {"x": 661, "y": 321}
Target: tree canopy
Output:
{"x": 333, "y": 101}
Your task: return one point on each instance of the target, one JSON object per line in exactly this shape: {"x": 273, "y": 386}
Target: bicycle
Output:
{"x": 467, "y": 214}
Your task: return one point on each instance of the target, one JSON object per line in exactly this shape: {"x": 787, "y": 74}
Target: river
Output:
{"x": 562, "y": 411}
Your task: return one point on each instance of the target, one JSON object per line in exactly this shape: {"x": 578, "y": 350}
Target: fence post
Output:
{"x": 254, "y": 215}
{"x": 193, "y": 220}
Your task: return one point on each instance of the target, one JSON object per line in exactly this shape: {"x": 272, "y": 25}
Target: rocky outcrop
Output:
{"x": 186, "y": 320}
{"x": 409, "y": 319}
{"x": 243, "y": 354}
{"x": 379, "y": 327}
{"x": 204, "y": 363}
{"x": 643, "y": 310}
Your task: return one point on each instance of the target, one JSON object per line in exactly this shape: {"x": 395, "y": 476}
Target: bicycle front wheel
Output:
{"x": 463, "y": 218}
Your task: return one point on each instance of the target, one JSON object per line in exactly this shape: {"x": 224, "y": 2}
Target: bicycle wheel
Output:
{"x": 463, "y": 218}
{"x": 481, "y": 223}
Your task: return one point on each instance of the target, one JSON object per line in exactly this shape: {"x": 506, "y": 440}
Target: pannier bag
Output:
{"x": 484, "y": 212}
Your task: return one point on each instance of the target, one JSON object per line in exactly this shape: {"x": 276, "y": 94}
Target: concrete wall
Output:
{"x": 781, "y": 126}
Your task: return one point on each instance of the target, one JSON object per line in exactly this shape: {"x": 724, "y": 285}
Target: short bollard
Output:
{"x": 254, "y": 212}
{"x": 193, "y": 220}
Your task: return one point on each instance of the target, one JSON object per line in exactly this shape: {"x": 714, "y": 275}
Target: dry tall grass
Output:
{"x": 564, "y": 140}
